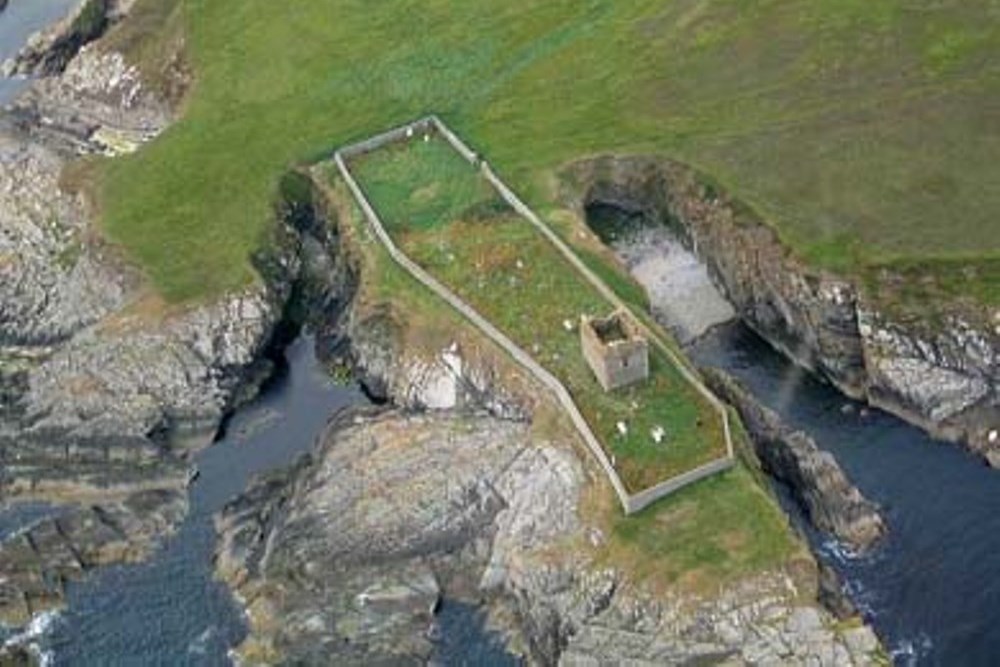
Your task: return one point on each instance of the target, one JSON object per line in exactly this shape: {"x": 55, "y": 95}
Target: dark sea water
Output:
{"x": 932, "y": 590}
{"x": 18, "y": 22}
{"x": 170, "y": 610}
{"x": 464, "y": 642}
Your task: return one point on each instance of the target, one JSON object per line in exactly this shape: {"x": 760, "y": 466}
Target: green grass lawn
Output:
{"x": 446, "y": 217}
{"x": 696, "y": 540}
{"x": 704, "y": 535}
{"x": 865, "y": 132}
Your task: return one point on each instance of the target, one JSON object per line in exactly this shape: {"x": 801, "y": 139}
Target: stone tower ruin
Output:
{"x": 616, "y": 351}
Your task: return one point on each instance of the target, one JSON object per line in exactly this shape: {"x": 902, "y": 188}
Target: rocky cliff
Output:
{"x": 348, "y": 555}
{"x": 103, "y": 388}
{"x": 833, "y": 504}
{"x": 49, "y": 51}
{"x": 93, "y": 368}
{"x": 453, "y": 491}
{"x": 438, "y": 367}
{"x": 942, "y": 375}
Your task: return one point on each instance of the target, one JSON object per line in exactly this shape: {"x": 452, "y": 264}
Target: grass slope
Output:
{"x": 866, "y": 132}
{"x": 696, "y": 540}
{"x": 448, "y": 219}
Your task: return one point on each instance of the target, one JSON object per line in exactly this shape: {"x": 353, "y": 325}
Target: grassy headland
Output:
{"x": 446, "y": 217}
{"x": 865, "y": 132}
{"x": 696, "y": 540}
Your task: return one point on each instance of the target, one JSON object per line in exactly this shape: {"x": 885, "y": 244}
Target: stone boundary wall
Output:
{"x": 631, "y": 503}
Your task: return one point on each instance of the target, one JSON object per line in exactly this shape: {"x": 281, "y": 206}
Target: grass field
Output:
{"x": 865, "y": 132}
{"x": 448, "y": 219}
{"x": 696, "y": 540}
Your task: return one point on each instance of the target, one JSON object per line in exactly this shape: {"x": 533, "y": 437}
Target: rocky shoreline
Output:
{"x": 105, "y": 391}
{"x": 349, "y": 553}
{"x": 943, "y": 377}
{"x": 49, "y": 51}
{"x": 450, "y": 493}
{"x": 833, "y": 504}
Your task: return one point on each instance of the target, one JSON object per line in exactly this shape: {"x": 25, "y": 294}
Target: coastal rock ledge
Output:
{"x": 834, "y": 505}
{"x": 104, "y": 388}
{"x": 345, "y": 557}
{"x": 940, "y": 373}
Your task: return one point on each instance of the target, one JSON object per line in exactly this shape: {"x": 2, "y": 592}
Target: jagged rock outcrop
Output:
{"x": 37, "y": 562}
{"x": 91, "y": 98}
{"x": 52, "y": 282}
{"x": 92, "y": 368}
{"x": 447, "y": 380}
{"x": 832, "y": 502}
{"x": 372, "y": 336}
{"x": 346, "y": 562}
{"x": 49, "y": 50}
{"x": 944, "y": 377}
{"x": 344, "y": 558}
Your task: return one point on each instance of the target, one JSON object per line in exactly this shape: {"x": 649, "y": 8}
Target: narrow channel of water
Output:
{"x": 18, "y": 22}
{"x": 932, "y": 589}
{"x": 170, "y": 610}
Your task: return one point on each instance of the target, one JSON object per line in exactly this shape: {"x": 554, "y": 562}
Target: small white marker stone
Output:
{"x": 993, "y": 436}
{"x": 568, "y": 325}
{"x": 409, "y": 133}
{"x": 622, "y": 428}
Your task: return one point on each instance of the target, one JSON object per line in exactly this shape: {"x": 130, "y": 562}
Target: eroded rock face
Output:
{"x": 52, "y": 282}
{"x": 102, "y": 388}
{"x": 36, "y": 563}
{"x": 174, "y": 379}
{"x": 447, "y": 380}
{"x": 750, "y": 624}
{"x": 346, "y": 560}
{"x": 344, "y": 557}
{"x": 948, "y": 376}
{"x": 832, "y": 502}
{"x": 945, "y": 377}
{"x": 49, "y": 50}
{"x": 372, "y": 339}
{"x": 90, "y": 99}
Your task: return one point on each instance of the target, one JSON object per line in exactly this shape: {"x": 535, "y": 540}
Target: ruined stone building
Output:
{"x": 615, "y": 350}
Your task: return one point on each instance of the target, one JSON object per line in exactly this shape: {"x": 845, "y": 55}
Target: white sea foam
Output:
{"x": 29, "y": 637}
{"x": 908, "y": 652}
{"x": 199, "y": 646}
{"x": 39, "y": 625}
{"x": 839, "y": 551}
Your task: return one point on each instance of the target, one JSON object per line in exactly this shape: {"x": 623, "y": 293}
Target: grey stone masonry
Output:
{"x": 616, "y": 351}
